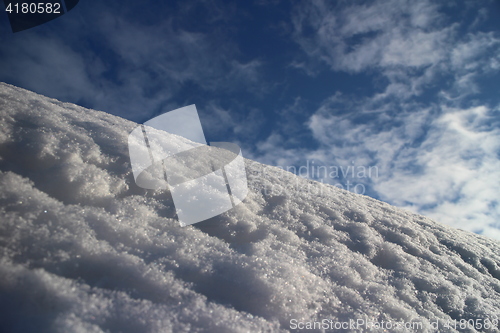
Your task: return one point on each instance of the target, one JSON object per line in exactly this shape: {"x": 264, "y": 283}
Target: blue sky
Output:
{"x": 410, "y": 88}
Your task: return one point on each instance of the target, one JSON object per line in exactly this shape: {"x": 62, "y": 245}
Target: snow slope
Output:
{"x": 83, "y": 249}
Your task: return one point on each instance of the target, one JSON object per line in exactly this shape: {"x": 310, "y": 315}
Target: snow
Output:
{"x": 84, "y": 249}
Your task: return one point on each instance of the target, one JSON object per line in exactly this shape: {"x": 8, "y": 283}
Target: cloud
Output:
{"x": 458, "y": 178}
{"x": 475, "y": 56}
{"x": 411, "y": 44}
{"x": 441, "y": 162}
{"x": 384, "y": 34}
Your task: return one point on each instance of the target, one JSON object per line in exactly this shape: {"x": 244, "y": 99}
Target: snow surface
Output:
{"x": 83, "y": 249}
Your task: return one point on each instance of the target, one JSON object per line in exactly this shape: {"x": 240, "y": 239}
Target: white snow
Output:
{"x": 83, "y": 249}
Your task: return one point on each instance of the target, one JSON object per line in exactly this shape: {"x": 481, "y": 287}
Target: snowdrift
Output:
{"x": 83, "y": 249}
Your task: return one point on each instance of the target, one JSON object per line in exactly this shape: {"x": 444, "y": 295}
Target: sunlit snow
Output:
{"x": 84, "y": 249}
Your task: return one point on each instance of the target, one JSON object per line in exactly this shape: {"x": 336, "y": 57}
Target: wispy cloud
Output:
{"x": 384, "y": 34}
{"x": 453, "y": 173}
{"x": 411, "y": 44}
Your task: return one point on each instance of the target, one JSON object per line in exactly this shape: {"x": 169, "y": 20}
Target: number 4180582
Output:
{"x": 34, "y": 8}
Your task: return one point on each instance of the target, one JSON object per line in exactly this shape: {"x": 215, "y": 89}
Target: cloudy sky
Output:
{"x": 399, "y": 100}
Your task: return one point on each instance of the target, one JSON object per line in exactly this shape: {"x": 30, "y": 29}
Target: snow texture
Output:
{"x": 83, "y": 249}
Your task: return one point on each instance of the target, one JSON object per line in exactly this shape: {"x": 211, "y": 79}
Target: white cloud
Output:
{"x": 475, "y": 55}
{"x": 444, "y": 166}
{"x": 411, "y": 44}
{"x": 459, "y": 177}
{"x": 414, "y": 49}
{"x": 385, "y": 34}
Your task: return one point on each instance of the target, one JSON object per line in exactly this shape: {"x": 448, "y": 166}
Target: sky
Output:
{"x": 398, "y": 100}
